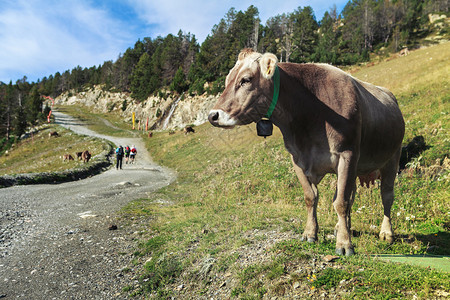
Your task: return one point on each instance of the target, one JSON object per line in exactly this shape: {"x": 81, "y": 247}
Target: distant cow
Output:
{"x": 67, "y": 157}
{"x": 79, "y": 155}
{"x": 86, "y": 156}
{"x": 331, "y": 123}
{"x": 403, "y": 52}
{"x": 188, "y": 129}
{"x": 53, "y": 133}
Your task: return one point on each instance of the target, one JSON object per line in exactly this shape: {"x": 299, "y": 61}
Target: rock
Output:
{"x": 86, "y": 214}
{"x": 330, "y": 258}
{"x": 192, "y": 110}
{"x": 440, "y": 293}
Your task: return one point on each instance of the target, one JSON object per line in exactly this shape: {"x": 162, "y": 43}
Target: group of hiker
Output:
{"x": 128, "y": 153}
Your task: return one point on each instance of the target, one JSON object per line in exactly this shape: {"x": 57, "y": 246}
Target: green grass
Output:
{"x": 236, "y": 210}
{"x": 232, "y": 183}
{"x": 41, "y": 153}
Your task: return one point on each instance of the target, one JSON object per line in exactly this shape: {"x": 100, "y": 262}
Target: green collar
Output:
{"x": 276, "y": 92}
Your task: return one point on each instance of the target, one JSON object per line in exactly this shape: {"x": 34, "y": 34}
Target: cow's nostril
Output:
{"x": 213, "y": 117}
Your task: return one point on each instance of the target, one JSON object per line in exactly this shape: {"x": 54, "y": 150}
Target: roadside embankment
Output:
{"x": 98, "y": 164}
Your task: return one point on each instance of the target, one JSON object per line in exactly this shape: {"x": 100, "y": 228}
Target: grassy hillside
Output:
{"x": 230, "y": 225}
{"x": 43, "y": 154}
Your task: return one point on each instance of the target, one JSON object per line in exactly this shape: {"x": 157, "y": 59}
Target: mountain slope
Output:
{"x": 237, "y": 209}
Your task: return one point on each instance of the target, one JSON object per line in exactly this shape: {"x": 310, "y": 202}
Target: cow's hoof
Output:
{"x": 348, "y": 252}
{"x": 385, "y": 236}
{"x": 308, "y": 239}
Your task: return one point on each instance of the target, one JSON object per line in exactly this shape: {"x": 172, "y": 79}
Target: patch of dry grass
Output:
{"x": 41, "y": 153}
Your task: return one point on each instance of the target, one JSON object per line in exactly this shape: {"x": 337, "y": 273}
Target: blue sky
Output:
{"x": 41, "y": 37}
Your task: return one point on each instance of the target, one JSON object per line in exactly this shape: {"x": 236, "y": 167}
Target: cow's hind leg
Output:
{"x": 388, "y": 174}
{"x": 346, "y": 187}
{"x": 311, "y": 199}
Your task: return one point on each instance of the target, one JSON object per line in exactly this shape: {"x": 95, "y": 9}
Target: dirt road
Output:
{"x": 55, "y": 241}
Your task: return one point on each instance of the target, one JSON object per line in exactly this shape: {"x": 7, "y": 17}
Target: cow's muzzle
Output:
{"x": 219, "y": 118}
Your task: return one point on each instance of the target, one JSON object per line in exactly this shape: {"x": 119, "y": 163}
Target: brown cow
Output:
{"x": 53, "y": 133}
{"x": 86, "y": 156}
{"x": 79, "y": 155}
{"x": 188, "y": 129}
{"x": 331, "y": 123}
{"x": 67, "y": 157}
{"x": 403, "y": 52}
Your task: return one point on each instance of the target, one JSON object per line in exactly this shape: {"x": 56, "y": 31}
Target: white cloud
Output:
{"x": 45, "y": 37}
{"x": 41, "y": 37}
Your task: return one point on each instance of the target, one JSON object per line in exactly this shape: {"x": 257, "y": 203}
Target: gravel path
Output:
{"x": 55, "y": 240}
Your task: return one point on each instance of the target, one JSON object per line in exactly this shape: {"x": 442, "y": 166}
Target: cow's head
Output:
{"x": 248, "y": 90}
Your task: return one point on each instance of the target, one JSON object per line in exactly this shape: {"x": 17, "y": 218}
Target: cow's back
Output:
{"x": 359, "y": 108}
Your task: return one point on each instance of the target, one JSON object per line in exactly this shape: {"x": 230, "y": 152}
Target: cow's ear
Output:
{"x": 268, "y": 63}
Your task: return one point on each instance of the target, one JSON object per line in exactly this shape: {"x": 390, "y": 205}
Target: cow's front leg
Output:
{"x": 349, "y": 209}
{"x": 311, "y": 199}
{"x": 346, "y": 187}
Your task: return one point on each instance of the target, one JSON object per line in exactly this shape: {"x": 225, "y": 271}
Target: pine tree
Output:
{"x": 20, "y": 121}
{"x": 304, "y": 36}
{"x": 353, "y": 36}
{"x": 178, "y": 83}
{"x": 156, "y": 68}
{"x": 213, "y": 55}
{"x": 141, "y": 78}
{"x": 6, "y": 109}
{"x": 270, "y": 34}
{"x": 327, "y": 50}
{"x": 33, "y": 107}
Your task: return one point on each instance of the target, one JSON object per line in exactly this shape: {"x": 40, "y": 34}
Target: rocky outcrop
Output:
{"x": 189, "y": 110}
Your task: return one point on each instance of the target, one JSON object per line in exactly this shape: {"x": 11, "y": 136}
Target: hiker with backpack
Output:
{"x": 119, "y": 156}
{"x": 133, "y": 153}
{"x": 127, "y": 153}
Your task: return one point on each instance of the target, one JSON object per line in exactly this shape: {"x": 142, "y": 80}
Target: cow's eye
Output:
{"x": 245, "y": 80}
